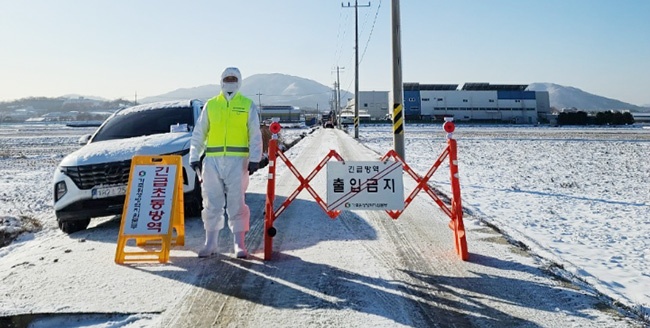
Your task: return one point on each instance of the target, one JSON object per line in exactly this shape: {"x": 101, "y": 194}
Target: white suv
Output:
{"x": 91, "y": 182}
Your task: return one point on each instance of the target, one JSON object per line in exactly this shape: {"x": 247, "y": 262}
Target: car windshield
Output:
{"x": 145, "y": 122}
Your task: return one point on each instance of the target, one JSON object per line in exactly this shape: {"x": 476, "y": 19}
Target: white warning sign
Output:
{"x": 365, "y": 185}
{"x": 150, "y": 200}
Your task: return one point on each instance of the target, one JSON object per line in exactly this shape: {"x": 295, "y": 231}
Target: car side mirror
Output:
{"x": 84, "y": 139}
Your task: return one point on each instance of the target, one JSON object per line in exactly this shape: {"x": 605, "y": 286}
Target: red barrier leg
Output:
{"x": 268, "y": 240}
{"x": 460, "y": 240}
{"x": 269, "y": 215}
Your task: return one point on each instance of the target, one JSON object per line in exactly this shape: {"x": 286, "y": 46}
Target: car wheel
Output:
{"x": 73, "y": 226}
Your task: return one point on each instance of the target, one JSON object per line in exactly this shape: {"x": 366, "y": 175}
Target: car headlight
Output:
{"x": 59, "y": 190}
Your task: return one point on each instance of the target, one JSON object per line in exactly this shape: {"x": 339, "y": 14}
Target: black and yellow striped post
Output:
{"x": 356, "y": 126}
{"x": 398, "y": 129}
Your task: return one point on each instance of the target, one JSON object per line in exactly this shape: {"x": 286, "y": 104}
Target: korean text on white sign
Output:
{"x": 365, "y": 185}
{"x": 150, "y": 200}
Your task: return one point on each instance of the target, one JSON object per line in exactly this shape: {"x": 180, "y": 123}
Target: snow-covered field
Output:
{"x": 577, "y": 197}
{"x": 29, "y": 153}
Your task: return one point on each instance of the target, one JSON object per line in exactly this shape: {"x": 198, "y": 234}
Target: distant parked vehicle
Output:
{"x": 347, "y": 120}
{"x": 91, "y": 182}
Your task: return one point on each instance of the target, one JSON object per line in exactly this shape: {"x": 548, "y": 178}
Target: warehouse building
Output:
{"x": 476, "y": 102}
{"x": 374, "y": 106}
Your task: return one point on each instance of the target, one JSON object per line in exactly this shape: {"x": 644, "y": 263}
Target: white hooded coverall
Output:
{"x": 225, "y": 178}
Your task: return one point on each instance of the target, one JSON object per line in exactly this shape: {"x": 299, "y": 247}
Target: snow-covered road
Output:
{"x": 362, "y": 269}
{"x": 365, "y": 269}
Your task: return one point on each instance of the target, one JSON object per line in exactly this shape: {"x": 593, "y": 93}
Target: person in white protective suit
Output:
{"x": 228, "y": 133}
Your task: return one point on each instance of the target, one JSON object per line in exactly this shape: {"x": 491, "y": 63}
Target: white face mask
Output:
{"x": 229, "y": 87}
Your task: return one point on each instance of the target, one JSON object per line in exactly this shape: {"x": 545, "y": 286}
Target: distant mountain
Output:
{"x": 203, "y": 92}
{"x": 270, "y": 89}
{"x": 567, "y": 97}
{"x": 281, "y": 89}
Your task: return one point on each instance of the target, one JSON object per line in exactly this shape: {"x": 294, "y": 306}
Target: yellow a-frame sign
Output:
{"x": 153, "y": 209}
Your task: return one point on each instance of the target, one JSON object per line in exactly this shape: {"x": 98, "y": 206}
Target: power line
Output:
{"x": 340, "y": 38}
{"x": 371, "y": 30}
{"x": 367, "y": 42}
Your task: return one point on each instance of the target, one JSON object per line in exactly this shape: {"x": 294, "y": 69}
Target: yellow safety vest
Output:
{"x": 228, "y": 134}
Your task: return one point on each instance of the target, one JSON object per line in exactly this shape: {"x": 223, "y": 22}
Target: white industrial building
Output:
{"x": 374, "y": 106}
{"x": 476, "y": 102}
{"x": 479, "y": 102}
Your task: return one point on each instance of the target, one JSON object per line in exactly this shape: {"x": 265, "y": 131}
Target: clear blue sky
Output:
{"x": 115, "y": 48}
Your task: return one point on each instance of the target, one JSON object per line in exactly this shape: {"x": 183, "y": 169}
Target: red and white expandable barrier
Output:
{"x": 455, "y": 211}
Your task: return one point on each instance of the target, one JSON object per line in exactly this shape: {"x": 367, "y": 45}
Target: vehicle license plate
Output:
{"x": 103, "y": 192}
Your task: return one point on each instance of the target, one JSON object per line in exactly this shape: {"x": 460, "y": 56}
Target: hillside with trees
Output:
{"x": 59, "y": 109}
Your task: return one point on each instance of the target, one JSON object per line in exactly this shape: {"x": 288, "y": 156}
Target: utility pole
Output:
{"x": 334, "y": 112}
{"x": 338, "y": 94}
{"x": 136, "y": 97}
{"x": 259, "y": 99}
{"x": 356, "y": 64}
{"x": 398, "y": 115}
{"x": 259, "y": 103}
